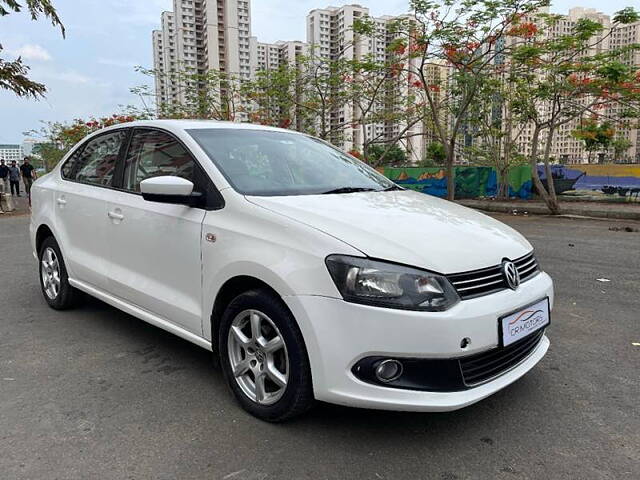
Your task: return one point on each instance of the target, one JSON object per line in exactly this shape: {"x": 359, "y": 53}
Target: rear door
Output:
{"x": 81, "y": 207}
{"x": 155, "y": 247}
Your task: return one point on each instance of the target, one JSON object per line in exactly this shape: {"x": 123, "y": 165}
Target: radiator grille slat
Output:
{"x": 486, "y": 281}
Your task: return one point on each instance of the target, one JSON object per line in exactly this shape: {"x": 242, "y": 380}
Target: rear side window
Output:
{"x": 95, "y": 163}
{"x": 153, "y": 153}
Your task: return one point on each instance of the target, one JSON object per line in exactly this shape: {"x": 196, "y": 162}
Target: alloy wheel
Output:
{"x": 50, "y": 272}
{"x": 258, "y": 357}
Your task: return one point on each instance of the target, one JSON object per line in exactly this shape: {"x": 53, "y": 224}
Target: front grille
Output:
{"x": 480, "y": 368}
{"x": 490, "y": 280}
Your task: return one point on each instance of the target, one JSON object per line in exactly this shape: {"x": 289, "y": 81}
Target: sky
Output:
{"x": 91, "y": 71}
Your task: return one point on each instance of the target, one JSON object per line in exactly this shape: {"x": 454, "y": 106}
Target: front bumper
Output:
{"x": 338, "y": 334}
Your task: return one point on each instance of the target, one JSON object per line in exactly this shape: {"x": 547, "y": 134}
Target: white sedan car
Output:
{"x": 312, "y": 276}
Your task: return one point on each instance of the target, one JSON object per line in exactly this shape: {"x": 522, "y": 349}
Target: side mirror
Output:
{"x": 169, "y": 189}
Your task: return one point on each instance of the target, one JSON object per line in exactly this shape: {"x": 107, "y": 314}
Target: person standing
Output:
{"x": 28, "y": 175}
{"x": 14, "y": 178}
{"x": 4, "y": 177}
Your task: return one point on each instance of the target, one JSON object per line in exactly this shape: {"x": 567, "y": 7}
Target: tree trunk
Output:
{"x": 365, "y": 144}
{"x": 451, "y": 181}
{"x": 503, "y": 183}
{"x": 553, "y": 203}
{"x": 533, "y": 162}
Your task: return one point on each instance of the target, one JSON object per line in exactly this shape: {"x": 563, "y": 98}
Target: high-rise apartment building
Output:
{"x": 198, "y": 36}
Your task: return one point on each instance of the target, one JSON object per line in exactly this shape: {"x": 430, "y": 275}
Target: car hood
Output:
{"x": 406, "y": 227}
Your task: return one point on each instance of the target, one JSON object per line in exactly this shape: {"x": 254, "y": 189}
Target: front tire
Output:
{"x": 54, "y": 281}
{"x": 263, "y": 357}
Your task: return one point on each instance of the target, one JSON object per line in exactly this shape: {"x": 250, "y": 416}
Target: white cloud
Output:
{"x": 32, "y": 52}
{"x": 113, "y": 62}
{"x": 71, "y": 77}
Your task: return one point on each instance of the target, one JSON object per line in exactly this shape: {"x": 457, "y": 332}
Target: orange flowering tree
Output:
{"x": 380, "y": 96}
{"x": 446, "y": 50}
{"x": 595, "y": 135}
{"x": 57, "y": 138}
{"x": 305, "y": 96}
{"x": 562, "y": 78}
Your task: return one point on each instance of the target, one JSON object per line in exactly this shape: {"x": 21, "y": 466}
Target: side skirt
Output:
{"x": 141, "y": 314}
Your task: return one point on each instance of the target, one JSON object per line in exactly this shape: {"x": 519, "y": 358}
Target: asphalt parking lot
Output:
{"x": 94, "y": 393}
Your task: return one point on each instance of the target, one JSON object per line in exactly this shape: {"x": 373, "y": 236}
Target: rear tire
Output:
{"x": 260, "y": 341}
{"x": 54, "y": 281}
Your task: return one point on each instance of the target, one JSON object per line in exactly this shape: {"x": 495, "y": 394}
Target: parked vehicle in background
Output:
{"x": 310, "y": 275}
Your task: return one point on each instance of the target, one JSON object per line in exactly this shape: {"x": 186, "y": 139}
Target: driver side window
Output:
{"x": 153, "y": 153}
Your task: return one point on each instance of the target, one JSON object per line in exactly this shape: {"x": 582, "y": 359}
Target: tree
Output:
{"x": 495, "y": 130}
{"x": 324, "y": 91}
{"x": 596, "y": 136}
{"x": 271, "y": 98}
{"x": 391, "y": 155}
{"x": 435, "y": 155}
{"x": 466, "y": 40}
{"x": 620, "y": 146}
{"x": 14, "y": 74}
{"x": 213, "y": 95}
{"x": 560, "y": 78}
{"x": 379, "y": 98}
{"x": 60, "y": 137}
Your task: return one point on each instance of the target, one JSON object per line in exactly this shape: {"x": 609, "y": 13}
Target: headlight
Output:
{"x": 382, "y": 284}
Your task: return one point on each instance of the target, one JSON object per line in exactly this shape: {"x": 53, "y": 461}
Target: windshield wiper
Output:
{"x": 350, "y": 190}
{"x": 393, "y": 187}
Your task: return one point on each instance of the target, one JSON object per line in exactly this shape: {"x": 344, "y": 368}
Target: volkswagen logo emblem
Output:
{"x": 510, "y": 274}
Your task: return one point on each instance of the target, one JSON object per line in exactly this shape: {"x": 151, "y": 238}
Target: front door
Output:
{"x": 155, "y": 247}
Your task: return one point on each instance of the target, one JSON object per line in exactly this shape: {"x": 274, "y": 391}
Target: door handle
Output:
{"x": 115, "y": 216}
{"x": 61, "y": 201}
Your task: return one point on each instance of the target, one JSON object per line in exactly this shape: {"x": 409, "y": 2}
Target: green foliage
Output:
{"x": 211, "y": 95}
{"x": 434, "y": 156}
{"x": 626, "y": 16}
{"x": 620, "y": 146}
{"x": 390, "y": 155}
{"x": 14, "y": 74}
{"x": 14, "y": 77}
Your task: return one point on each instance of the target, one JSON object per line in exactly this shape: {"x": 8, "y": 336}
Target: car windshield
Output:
{"x": 270, "y": 163}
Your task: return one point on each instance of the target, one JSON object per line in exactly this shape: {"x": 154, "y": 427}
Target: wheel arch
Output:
{"x": 43, "y": 232}
{"x": 231, "y": 288}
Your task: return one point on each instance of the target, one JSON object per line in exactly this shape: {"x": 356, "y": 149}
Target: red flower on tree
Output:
{"x": 417, "y": 47}
{"x": 396, "y": 69}
{"x": 285, "y": 123}
{"x": 524, "y": 30}
{"x": 399, "y": 49}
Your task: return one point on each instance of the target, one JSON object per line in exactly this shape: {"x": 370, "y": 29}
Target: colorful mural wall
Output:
{"x": 605, "y": 178}
{"x": 471, "y": 182}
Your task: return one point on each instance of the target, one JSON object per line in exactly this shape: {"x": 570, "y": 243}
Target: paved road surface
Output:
{"x": 97, "y": 394}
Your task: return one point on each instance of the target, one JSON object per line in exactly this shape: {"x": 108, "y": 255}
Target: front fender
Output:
{"x": 252, "y": 241}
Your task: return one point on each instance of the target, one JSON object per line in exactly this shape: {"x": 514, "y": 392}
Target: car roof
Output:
{"x": 178, "y": 125}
